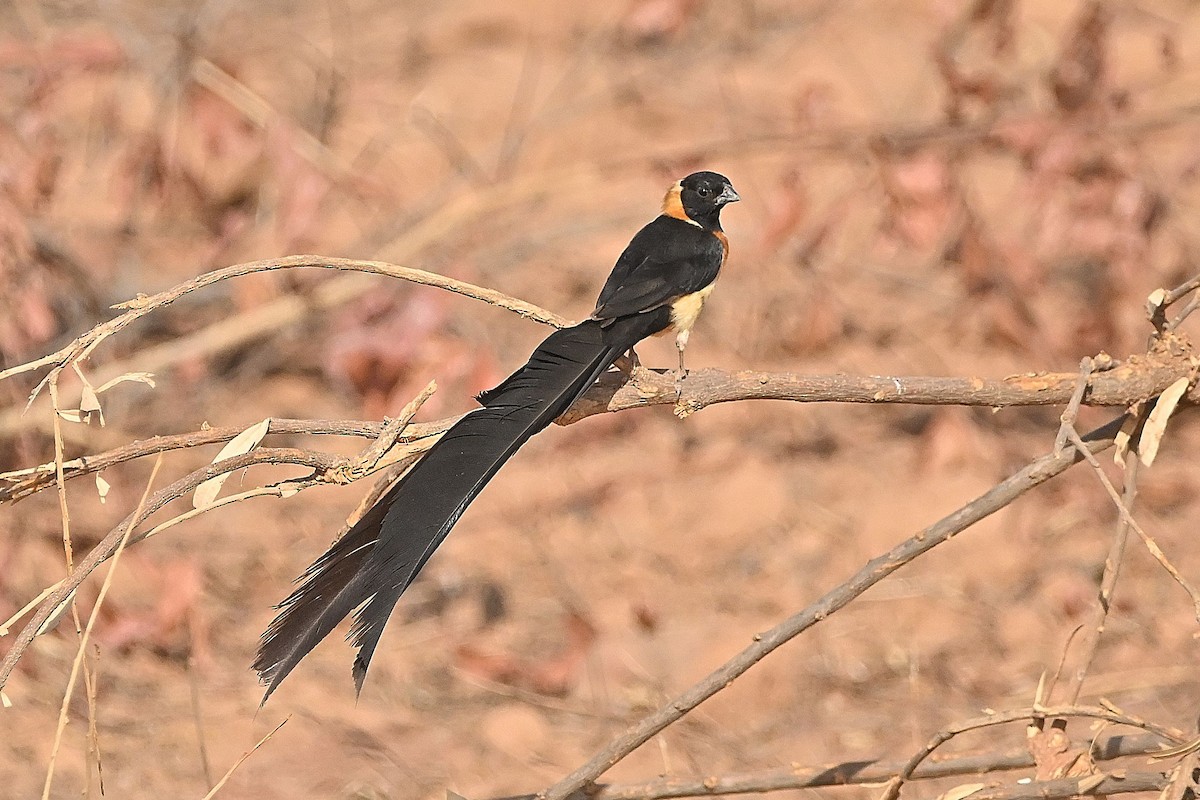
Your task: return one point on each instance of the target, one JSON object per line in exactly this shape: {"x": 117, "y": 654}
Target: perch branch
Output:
{"x": 1137, "y": 378}
{"x": 875, "y": 570}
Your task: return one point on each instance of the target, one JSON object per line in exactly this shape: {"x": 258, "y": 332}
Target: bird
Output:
{"x": 659, "y": 285}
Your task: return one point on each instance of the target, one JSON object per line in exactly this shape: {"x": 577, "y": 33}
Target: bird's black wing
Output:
{"x": 666, "y": 260}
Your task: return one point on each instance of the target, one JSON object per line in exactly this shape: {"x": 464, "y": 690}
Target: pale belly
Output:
{"x": 686, "y": 310}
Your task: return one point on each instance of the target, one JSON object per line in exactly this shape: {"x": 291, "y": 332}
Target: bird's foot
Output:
{"x": 680, "y": 375}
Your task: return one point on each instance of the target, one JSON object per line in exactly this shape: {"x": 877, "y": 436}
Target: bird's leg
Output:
{"x": 681, "y": 341}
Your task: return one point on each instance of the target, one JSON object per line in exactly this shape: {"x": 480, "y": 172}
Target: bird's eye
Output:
{"x": 704, "y": 191}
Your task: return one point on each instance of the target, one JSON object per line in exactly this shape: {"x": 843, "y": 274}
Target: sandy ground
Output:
{"x": 1005, "y": 212}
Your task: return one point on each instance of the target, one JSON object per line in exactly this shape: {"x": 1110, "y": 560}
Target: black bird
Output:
{"x": 659, "y": 283}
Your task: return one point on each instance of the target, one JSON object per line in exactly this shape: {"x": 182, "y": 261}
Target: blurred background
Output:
{"x": 934, "y": 187}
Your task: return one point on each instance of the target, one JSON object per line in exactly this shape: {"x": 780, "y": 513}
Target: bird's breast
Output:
{"x": 686, "y": 309}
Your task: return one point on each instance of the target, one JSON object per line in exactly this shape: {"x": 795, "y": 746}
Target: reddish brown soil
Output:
{"x": 1007, "y": 213}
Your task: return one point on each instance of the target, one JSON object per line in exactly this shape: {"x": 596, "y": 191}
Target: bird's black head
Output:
{"x": 699, "y": 198}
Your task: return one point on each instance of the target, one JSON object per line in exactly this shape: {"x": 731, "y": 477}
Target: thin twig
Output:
{"x": 855, "y": 773}
{"x": 229, "y": 773}
{"x": 1086, "y": 367}
{"x": 33, "y": 479}
{"x": 892, "y": 790}
{"x": 875, "y": 570}
{"x": 87, "y": 632}
{"x": 198, "y": 719}
{"x": 322, "y": 462}
{"x": 369, "y": 459}
{"x": 1151, "y": 545}
{"x": 1094, "y": 628}
{"x": 142, "y": 305}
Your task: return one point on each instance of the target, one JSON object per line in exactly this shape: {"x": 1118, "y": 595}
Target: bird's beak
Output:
{"x": 728, "y": 195}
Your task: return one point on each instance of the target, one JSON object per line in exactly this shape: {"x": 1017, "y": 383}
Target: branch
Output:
{"x": 143, "y": 304}
{"x": 892, "y": 790}
{"x": 855, "y": 773}
{"x": 875, "y": 570}
{"x": 322, "y": 463}
{"x": 33, "y": 479}
{"x": 1137, "y": 378}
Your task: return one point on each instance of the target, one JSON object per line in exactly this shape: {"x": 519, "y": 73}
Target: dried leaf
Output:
{"x": 1156, "y": 423}
{"x": 1091, "y": 782}
{"x": 244, "y": 442}
{"x": 89, "y": 402}
{"x": 1121, "y": 440}
{"x": 960, "y": 792}
{"x": 70, "y": 414}
{"x": 141, "y": 377}
{"x": 102, "y": 487}
{"x": 56, "y": 614}
{"x": 4, "y": 701}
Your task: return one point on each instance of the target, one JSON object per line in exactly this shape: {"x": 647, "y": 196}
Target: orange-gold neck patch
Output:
{"x": 672, "y": 205}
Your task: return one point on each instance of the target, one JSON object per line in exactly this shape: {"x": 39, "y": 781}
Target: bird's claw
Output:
{"x": 680, "y": 375}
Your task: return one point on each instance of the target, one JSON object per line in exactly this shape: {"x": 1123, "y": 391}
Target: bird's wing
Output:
{"x": 666, "y": 260}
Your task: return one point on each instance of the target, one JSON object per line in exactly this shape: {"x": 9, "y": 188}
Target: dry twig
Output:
{"x": 1151, "y": 545}
{"x": 137, "y": 308}
{"x": 892, "y": 790}
{"x": 854, "y": 773}
{"x": 875, "y": 570}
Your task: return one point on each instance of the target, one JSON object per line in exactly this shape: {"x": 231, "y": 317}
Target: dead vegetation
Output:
{"x": 970, "y": 190}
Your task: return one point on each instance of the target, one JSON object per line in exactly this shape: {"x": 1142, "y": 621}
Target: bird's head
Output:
{"x": 699, "y": 198}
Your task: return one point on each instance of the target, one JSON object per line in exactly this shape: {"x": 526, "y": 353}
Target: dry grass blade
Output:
{"x": 87, "y": 632}
{"x": 229, "y": 773}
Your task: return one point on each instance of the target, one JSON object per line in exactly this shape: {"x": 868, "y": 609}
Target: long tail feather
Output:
{"x": 371, "y": 566}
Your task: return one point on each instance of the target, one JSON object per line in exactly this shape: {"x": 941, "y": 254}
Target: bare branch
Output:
{"x": 855, "y": 773}
{"x": 1136, "y": 378}
{"x": 142, "y": 305}
{"x": 892, "y": 791}
{"x": 321, "y": 462}
{"x": 875, "y": 570}
{"x": 33, "y": 479}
